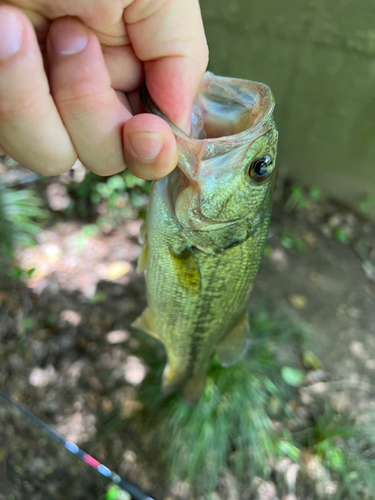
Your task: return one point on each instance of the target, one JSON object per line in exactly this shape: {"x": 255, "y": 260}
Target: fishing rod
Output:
{"x": 134, "y": 491}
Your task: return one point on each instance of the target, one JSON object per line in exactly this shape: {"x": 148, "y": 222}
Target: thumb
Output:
{"x": 169, "y": 38}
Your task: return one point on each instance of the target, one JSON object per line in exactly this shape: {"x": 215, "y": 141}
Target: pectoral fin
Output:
{"x": 233, "y": 346}
{"x": 145, "y": 323}
{"x": 142, "y": 233}
{"x": 142, "y": 259}
{"x": 142, "y": 239}
{"x": 187, "y": 270}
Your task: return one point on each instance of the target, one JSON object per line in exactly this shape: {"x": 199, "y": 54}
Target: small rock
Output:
{"x": 369, "y": 269}
{"x": 79, "y": 171}
{"x": 313, "y": 276}
{"x": 132, "y": 228}
{"x": 106, "y": 405}
{"x": 117, "y": 336}
{"x": 315, "y": 376}
{"x": 78, "y": 427}
{"x": 129, "y": 457}
{"x": 70, "y": 317}
{"x": 266, "y": 489}
{"x": 95, "y": 384}
{"x": 340, "y": 402}
{"x": 37, "y": 467}
{"x": 298, "y": 301}
{"x": 57, "y": 197}
{"x": 181, "y": 490}
{"x": 354, "y": 312}
{"x": 51, "y": 253}
{"x": 134, "y": 370}
{"x": 39, "y": 350}
{"x": 335, "y": 221}
{"x": 370, "y": 364}
{"x": 40, "y": 377}
{"x": 279, "y": 258}
{"x": 325, "y": 487}
{"x": 130, "y": 407}
{"x": 310, "y": 239}
{"x": 228, "y": 487}
{"x": 358, "y": 350}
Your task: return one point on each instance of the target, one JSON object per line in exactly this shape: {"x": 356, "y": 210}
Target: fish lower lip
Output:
{"x": 215, "y": 226}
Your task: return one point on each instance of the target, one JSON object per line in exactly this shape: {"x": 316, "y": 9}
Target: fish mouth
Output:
{"x": 227, "y": 114}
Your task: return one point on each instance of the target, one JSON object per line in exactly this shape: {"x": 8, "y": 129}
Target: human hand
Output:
{"x": 77, "y": 98}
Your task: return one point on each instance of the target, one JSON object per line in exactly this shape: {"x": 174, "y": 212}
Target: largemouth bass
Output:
{"x": 206, "y": 228}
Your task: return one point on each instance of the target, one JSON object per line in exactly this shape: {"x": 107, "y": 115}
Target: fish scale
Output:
{"x": 205, "y": 232}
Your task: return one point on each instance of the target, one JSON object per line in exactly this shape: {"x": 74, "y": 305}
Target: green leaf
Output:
{"x": 315, "y": 193}
{"x": 16, "y": 272}
{"x": 367, "y": 204}
{"x": 90, "y": 230}
{"x": 27, "y": 324}
{"x": 98, "y": 298}
{"x": 286, "y": 240}
{"x": 335, "y": 459}
{"x": 115, "y": 493}
{"x": 289, "y": 449}
{"x": 341, "y": 234}
{"x": 292, "y": 376}
{"x": 310, "y": 361}
{"x": 116, "y": 183}
{"x": 267, "y": 251}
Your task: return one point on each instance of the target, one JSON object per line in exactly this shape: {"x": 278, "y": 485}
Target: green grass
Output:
{"x": 21, "y": 213}
{"x": 233, "y": 425}
{"x": 118, "y": 196}
{"x": 347, "y": 450}
{"x": 231, "y": 418}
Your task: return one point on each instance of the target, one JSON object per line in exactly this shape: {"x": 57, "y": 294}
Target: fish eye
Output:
{"x": 260, "y": 169}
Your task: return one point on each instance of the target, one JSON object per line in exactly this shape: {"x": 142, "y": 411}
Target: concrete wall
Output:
{"x": 318, "y": 57}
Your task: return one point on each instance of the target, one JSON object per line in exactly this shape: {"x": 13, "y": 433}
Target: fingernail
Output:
{"x": 146, "y": 145}
{"x": 10, "y": 34}
{"x": 68, "y": 36}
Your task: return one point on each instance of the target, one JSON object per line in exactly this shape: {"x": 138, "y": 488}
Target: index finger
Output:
{"x": 168, "y": 36}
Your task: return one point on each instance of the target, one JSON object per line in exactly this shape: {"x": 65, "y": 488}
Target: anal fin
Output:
{"x": 145, "y": 323}
{"x": 234, "y": 345}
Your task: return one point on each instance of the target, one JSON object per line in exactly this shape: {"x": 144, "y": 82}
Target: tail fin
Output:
{"x": 193, "y": 389}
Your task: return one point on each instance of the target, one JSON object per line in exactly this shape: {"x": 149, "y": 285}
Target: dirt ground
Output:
{"x": 68, "y": 353}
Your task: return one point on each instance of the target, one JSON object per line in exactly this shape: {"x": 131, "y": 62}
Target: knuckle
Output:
{"x": 53, "y": 165}
{"x": 112, "y": 166}
{"x": 79, "y": 99}
{"x": 17, "y": 107}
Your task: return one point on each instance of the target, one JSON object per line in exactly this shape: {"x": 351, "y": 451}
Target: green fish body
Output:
{"x": 205, "y": 231}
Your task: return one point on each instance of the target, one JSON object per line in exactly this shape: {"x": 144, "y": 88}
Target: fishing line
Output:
{"x": 123, "y": 484}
